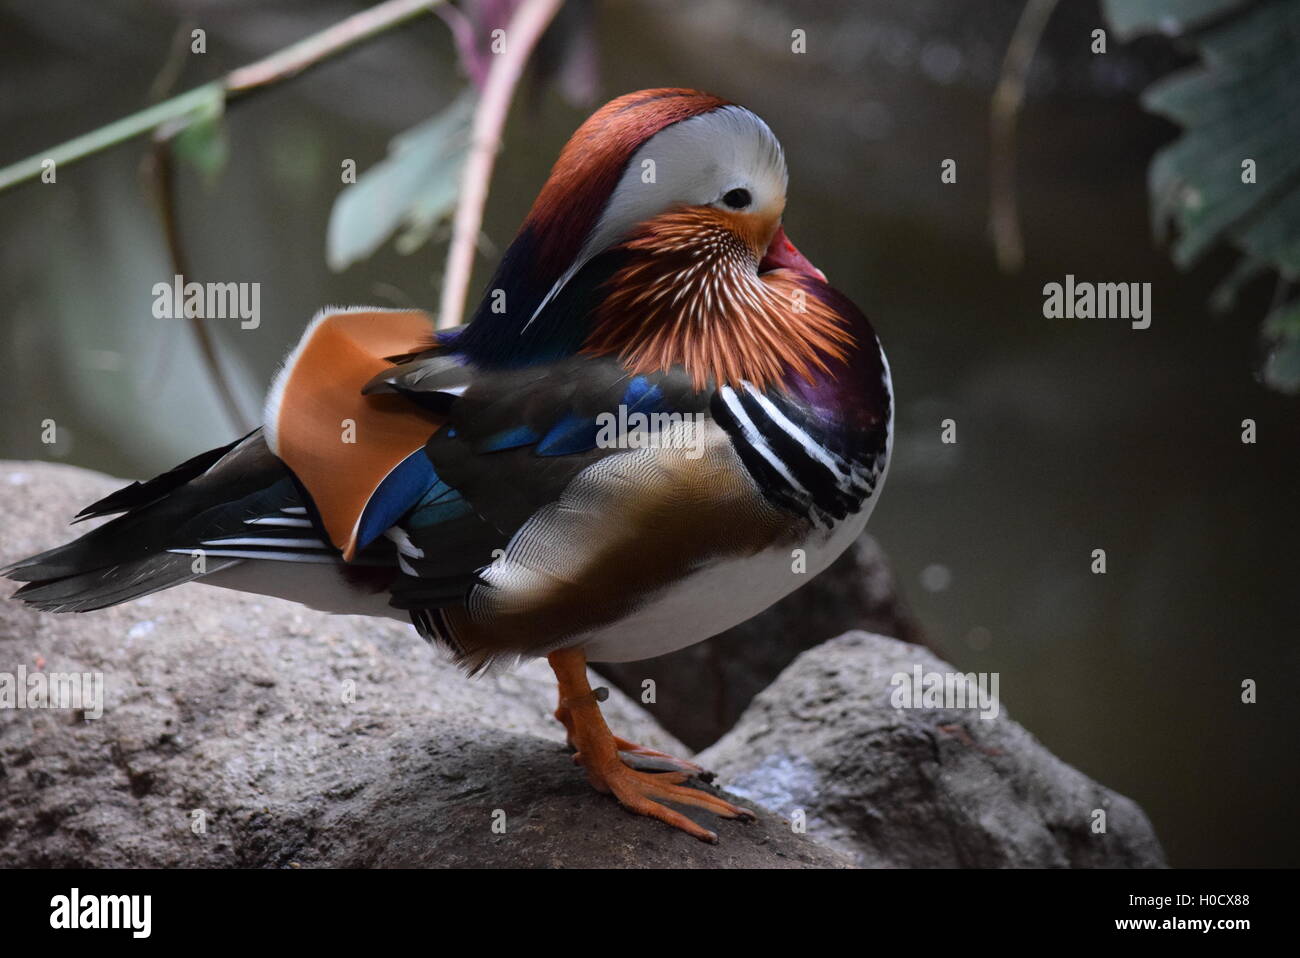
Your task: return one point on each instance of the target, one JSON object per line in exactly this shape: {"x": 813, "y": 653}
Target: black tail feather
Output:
{"x": 100, "y": 588}
{"x": 207, "y": 497}
{"x": 140, "y": 494}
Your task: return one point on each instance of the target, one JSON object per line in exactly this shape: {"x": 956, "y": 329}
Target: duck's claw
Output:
{"x": 608, "y": 759}
{"x": 638, "y": 791}
{"x": 652, "y": 760}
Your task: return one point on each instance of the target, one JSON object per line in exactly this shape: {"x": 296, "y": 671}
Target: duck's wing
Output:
{"x": 559, "y": 497}
{"x": 342, "y": 446}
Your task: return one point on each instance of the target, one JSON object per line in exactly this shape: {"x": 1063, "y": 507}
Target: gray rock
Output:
{"x": 917, "y": 787}
{"x": 707, "y": 686}
{"x": 300, "y": 738}
{"x": 311, "y": 740}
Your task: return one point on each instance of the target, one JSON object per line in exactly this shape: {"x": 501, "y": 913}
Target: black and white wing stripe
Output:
{"x": 285, "y": 535}
{"x": 786, "y": 450}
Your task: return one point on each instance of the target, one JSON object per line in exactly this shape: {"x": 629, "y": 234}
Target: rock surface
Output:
{"x": 708, "y": 685}
{"x": 917, "y": 787}
{"x": 299, "y": 738}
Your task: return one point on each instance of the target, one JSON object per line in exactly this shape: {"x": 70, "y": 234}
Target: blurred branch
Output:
{"x": 526, "y": 27}
{"x": 1004, "y": 218}
{"x": 174, "y": 64}
{"x": 330, "y": 42}
{"x": 173, "y": 117}
{"x": 161, "y": 170}
{"x": 284, "y": 65}
{"x": 125, "y": 129}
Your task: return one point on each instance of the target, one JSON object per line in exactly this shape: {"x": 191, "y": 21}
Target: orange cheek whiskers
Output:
{"x": 691, "y": 296}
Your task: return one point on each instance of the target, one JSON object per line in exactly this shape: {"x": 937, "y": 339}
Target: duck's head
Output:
{"x": 658, "y": 238}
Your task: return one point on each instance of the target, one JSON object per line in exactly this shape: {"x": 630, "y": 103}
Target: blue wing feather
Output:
{"x": 572, "y": 434}
{"x": 401, "y": 488}
{"x": 642, "y": 396}
{"x": 414, "y": 486}
{"x": 441, "y": 503}
{"x": 510, "y": 439}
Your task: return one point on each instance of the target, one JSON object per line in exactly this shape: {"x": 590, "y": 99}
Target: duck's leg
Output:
{"x": 598, "y": 748}
{"x": 638, "y": 756}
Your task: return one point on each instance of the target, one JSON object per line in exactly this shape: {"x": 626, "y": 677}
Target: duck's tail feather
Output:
{"x": 100, "y": 588}
{"x": 140, "y": 494}
{"x": 173, "y": 528}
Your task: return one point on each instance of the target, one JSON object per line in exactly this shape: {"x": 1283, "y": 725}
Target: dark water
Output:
{"x": 1073, "y": 435}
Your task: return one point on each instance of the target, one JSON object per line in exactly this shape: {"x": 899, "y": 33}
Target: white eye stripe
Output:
{"x": 696, "y": 160}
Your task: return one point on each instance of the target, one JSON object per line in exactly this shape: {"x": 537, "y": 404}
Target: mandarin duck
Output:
{"x": 660, "y": 420}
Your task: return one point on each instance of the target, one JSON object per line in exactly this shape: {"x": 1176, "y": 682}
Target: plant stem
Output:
{"x": 161, "y": 169}
{"x": 1004, "y": 218}
{"x": 525, "y": 29}
{"x": 330, "y": 42}
{"x": 283, "y": 65}
{"x": 118, "y": 132}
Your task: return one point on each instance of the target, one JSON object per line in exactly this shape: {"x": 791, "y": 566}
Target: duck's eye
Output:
{"x": 737, "y": 199}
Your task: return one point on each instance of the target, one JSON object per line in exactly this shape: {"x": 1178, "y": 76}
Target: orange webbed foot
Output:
{"x": 638, "y": 791}
{"x": 607, "y": 758}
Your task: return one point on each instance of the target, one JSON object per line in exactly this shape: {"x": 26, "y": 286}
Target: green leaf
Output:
{"x": 202, "y": 142}
{"x": 1239, "y": 107}
{"x": 413, "y": 189}
{"x": 1243, "y": 105}
{"x": 1130, "y": 18}
{"x": 1282, "y": 368}
{"x": 1247, "y": 270}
